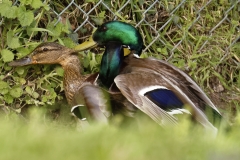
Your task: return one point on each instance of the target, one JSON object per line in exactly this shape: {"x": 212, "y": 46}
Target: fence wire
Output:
{"x": 156, "y": 18}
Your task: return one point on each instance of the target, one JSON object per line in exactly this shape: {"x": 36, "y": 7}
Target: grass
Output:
{"x": 42, "y": 138}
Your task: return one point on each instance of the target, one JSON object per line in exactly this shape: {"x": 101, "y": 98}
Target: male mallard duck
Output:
{"x": 156, "y": 87}
{"x": 73, "y": 80}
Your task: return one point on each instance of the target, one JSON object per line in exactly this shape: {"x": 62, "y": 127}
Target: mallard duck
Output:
{"x": 73, "y": 80}
{"x": 154, "y": 86}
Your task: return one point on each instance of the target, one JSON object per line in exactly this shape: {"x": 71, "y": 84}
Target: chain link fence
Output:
{"x": 164, "y": 24}
{"x": 159, "y": 17}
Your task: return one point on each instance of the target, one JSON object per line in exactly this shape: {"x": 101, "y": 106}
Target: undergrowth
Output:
{"x": 42, "y": 138}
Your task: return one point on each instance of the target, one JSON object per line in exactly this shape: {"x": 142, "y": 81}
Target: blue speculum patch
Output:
{"x": 165, "y": 99}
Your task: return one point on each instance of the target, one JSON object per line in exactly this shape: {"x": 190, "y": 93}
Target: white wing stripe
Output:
{"x": 150, "y": 88}
{"x": 201, "y": 117}
{"x": 178, "y": 111}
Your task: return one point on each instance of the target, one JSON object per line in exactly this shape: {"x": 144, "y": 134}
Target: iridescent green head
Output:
{"x": 121, "y": 32}
{"x": 115, "y": 31}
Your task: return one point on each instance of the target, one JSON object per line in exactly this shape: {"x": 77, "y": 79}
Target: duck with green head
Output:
{"x": 156, "y": 87}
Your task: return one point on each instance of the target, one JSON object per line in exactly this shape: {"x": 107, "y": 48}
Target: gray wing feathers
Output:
{"x": 131, "y": 84}
{"x": 131, "y": 91}
{"x": 96, "y": 100}
{"x": 159, "y": 63}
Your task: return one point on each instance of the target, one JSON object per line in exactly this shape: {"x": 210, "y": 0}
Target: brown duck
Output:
{"x": 89, "y": 95}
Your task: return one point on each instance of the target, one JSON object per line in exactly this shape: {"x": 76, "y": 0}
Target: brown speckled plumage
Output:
{"x": 54, "y": 53}
{"x": 79, "y": 90}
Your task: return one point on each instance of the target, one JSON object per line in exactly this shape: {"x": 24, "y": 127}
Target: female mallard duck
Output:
{"x": 156, "y": 87}
{"x": 73, "y": 80}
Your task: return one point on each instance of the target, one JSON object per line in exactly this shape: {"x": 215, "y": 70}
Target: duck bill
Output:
{"x": 21, "y": 62}
{"x": 88, "y": 44}
{"x": 126, "y": 51}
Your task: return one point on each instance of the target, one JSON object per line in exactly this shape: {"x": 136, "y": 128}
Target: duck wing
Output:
{"x": 91, "y": 101}
{"x": 171, "y": 74}
{"x": 94, "y": 102}
{"x": 135, "y": 92}
{"x": 161, "y": 90}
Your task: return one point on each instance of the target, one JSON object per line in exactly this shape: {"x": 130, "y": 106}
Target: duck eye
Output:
{"x": 45, "y": 49}
{"x": 103, "y": 28}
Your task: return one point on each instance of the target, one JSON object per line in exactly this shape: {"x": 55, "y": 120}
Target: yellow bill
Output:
{"x": 90, "y": 43}
{"x": 126, "y": 51}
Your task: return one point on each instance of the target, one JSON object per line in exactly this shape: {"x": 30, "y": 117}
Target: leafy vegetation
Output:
{"x": 29, "y": 24}
{"x": 200, "y": 38}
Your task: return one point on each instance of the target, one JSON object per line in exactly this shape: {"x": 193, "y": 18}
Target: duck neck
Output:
{"x": 111, "y": 63}
{"x": 72, "y": 78}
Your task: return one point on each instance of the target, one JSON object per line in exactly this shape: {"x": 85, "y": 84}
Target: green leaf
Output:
{"x": 53, "y": 84}
{"x": 102, "y": 14}
{"x": 4, "y": 91}
{"x": 3, "y": 85}
{"x": 99, "y": 19}
{"x": 46, "y": 6}
{"x": 86, "y": 62}
{"x": 33, "y": 3}
{"x": 176, "y": 19}
{"x": 44, "y": 98}
{"x": 37, "y": 4}
{"x": 181, "y": 63}
{"x": 25, "y": 17}
{"x": 35, "y": 95}
{"x": 13, "y": 13}
{"x": 22, "y": 81}
{"x": 7, "y": 55}
{"x": 5, "y": 7}
{"x": 1, "y": 64}
{"x": 26, "y": 2}
{"x": 23, "y": 51}
{"x": 163, "y": 51}
{"x": 65, "y": 28}
{"x": 12, "y": 42}
{"x": 93, "y": 63}
{"x": 20, "y": 70}
{"x": 59, "y": 71}
{"x": 8, "y": 98}
{"x": 2, "y": 77}
{"x": 16, "y": 92}
{"x": 68, "y": 42}
{"x": 39, "y": 30}
{"x": 7, "y": 68}
{"x": 56, "y": 30}
{"x": 28, "y": 90}
{"x": 51, "y": 94}
{"x": 73, "y": 37}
